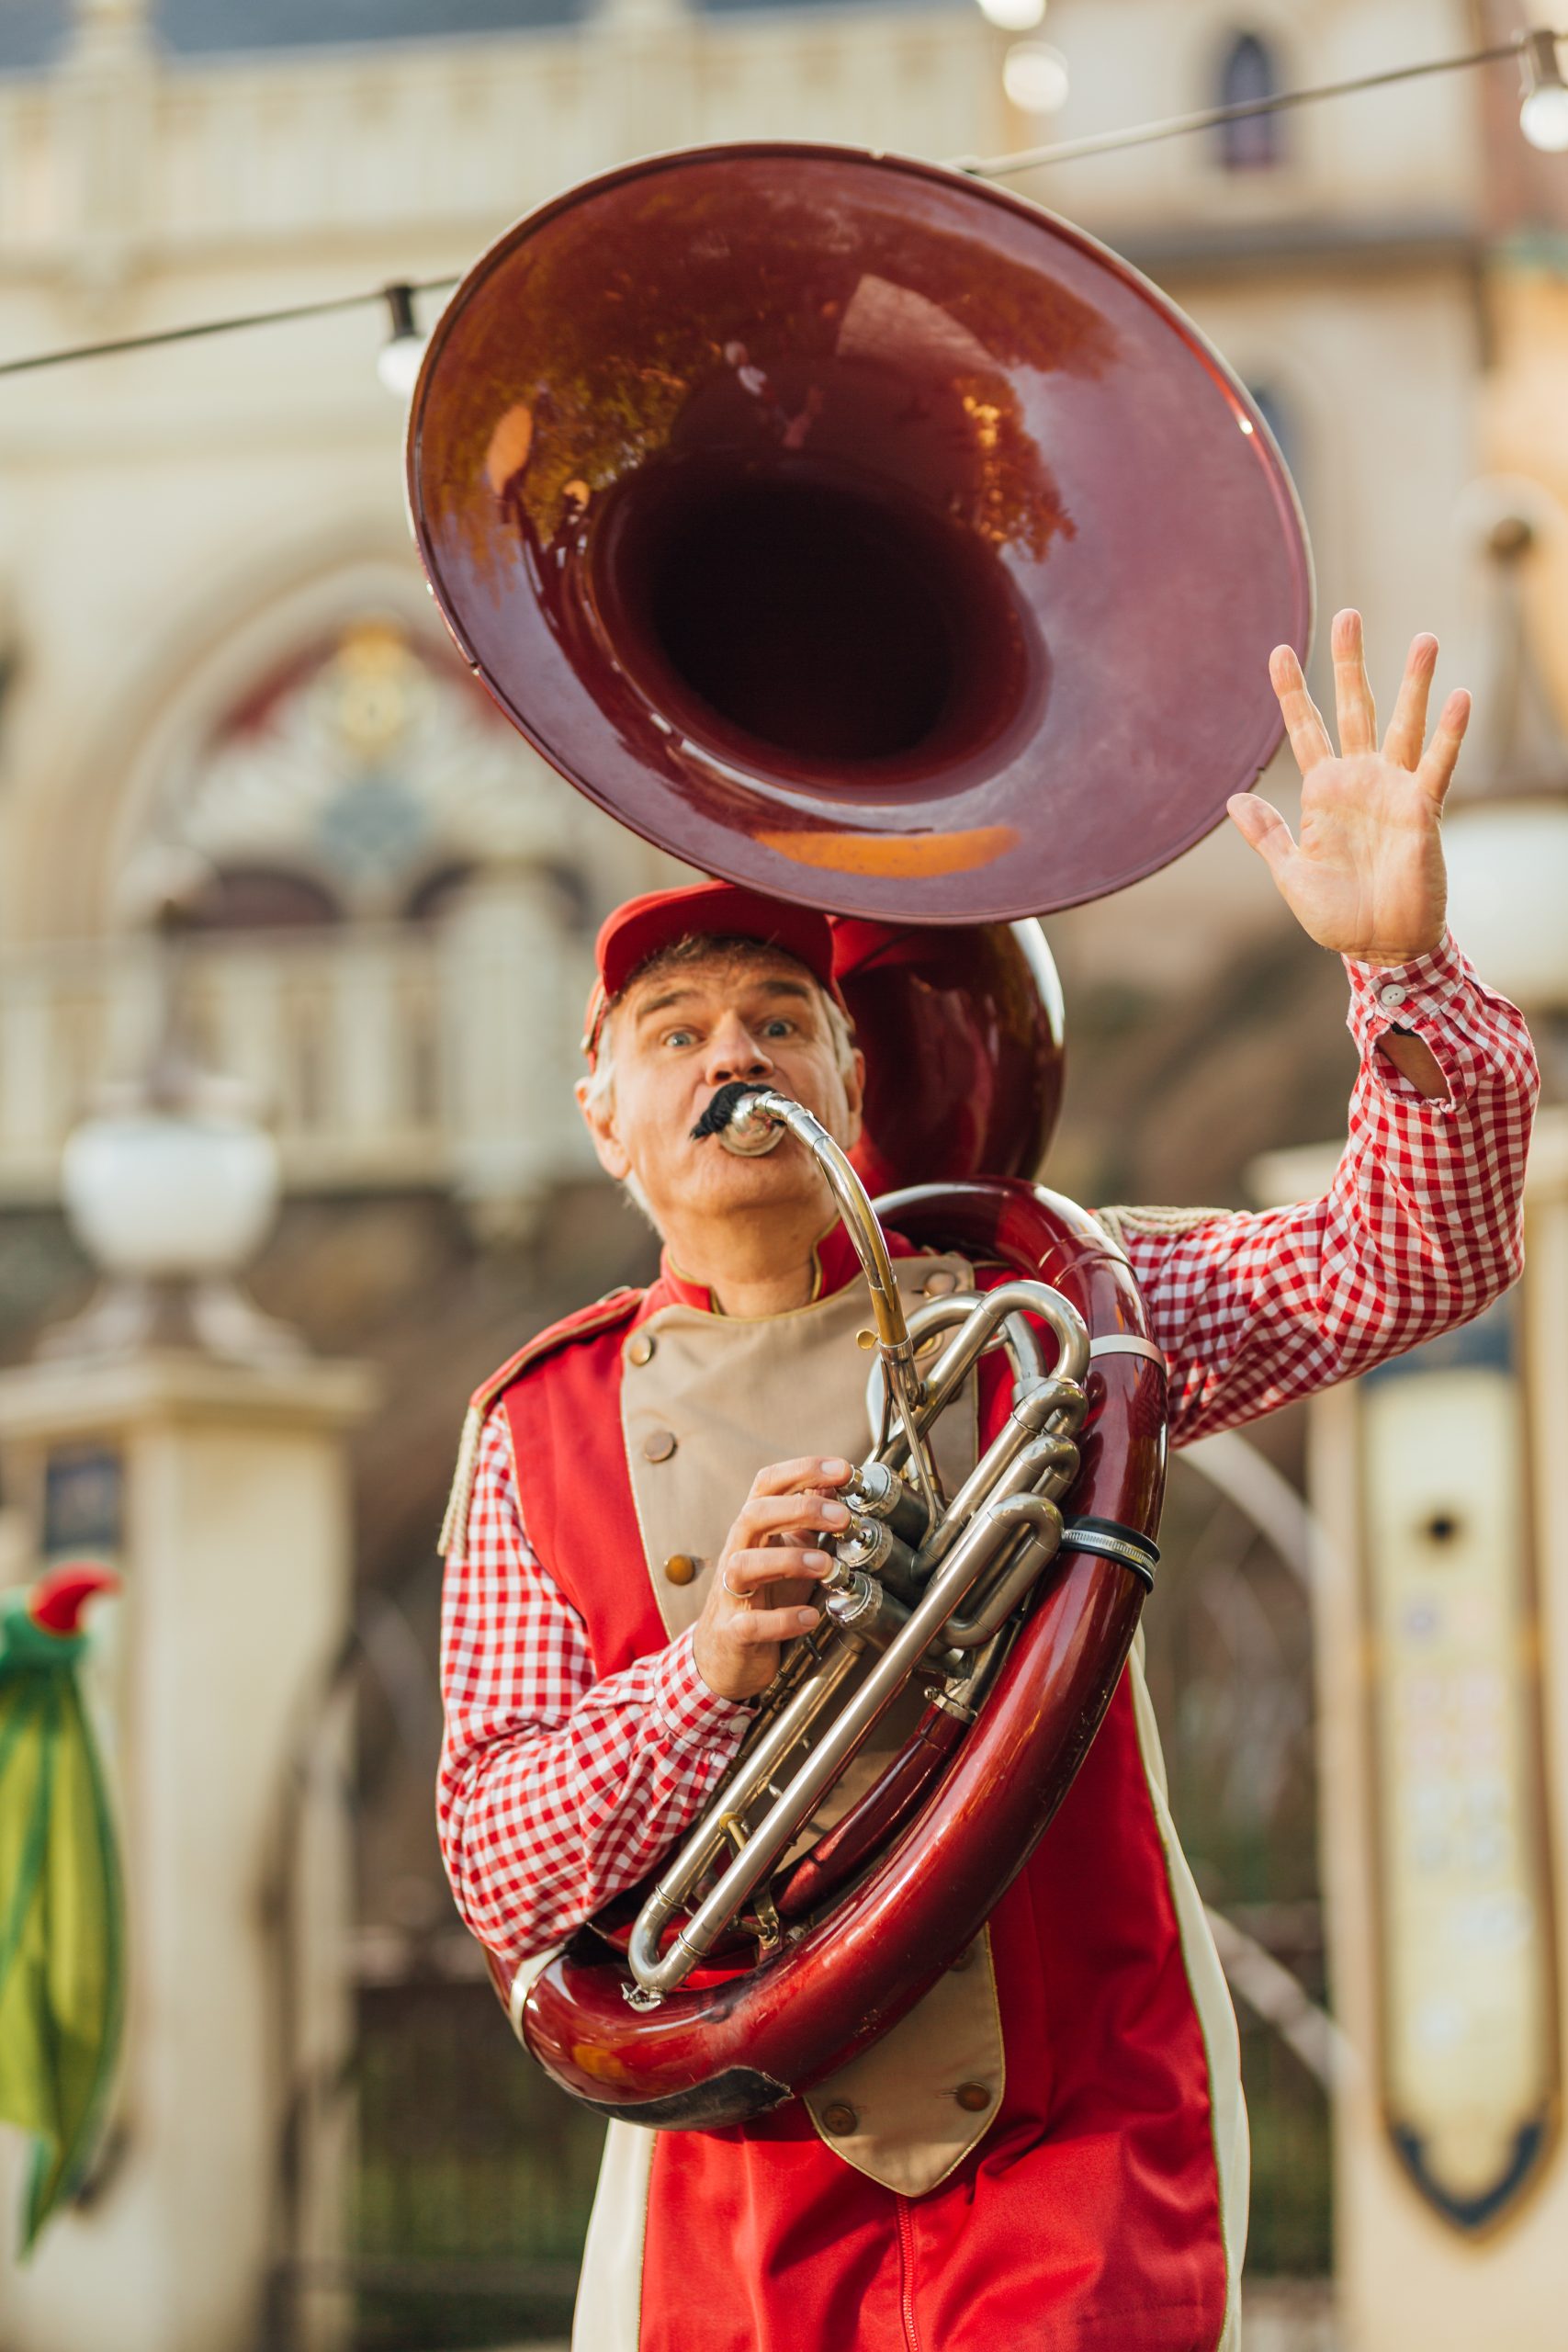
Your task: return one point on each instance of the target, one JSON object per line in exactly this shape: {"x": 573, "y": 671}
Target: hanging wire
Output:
{"x": 1177, "y": 126}
{"x": 1027, "y": 159}
{"x": 195, "y": 329}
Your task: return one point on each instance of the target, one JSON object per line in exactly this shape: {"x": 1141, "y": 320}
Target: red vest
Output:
{"x": 1088, "y": 2219}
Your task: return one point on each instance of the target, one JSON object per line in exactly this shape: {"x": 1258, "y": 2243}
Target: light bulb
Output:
{"x": 398, "y": 362}
{"x": 1014, "y": 16}
{"x": 1544, "y": 118}
{"x": 1034, "y": 76}
{"x": 1543, "y": 111}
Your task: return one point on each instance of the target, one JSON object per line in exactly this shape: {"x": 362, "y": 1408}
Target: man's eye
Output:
{"x": 679, "y": 1036}
{"x": 778, "y": 1027}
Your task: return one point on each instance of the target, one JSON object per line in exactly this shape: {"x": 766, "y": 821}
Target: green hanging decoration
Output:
{"x": 62, "y": 1927}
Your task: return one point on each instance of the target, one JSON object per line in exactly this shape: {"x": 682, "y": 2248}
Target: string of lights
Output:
{"x": 194, "y": 330}
{"x": 1105, "y": 142}
{"x": 1544, "y": 118}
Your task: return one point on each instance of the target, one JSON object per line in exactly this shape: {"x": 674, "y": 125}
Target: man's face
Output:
{"x": 680, "y": 1034}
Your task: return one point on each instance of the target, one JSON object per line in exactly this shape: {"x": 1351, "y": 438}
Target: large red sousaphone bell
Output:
{"x": 861, "y": 533}
{"x": 857, "y": 531}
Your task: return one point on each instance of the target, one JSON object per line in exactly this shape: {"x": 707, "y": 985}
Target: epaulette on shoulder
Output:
{"x": 1120, "y": 1221}
{"x": 585, "y": 1324}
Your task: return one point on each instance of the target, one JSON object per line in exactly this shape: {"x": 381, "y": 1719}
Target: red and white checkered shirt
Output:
{"x": 557, "y": 1789}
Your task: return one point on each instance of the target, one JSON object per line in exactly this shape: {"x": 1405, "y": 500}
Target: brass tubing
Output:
{"x": 1039, "y": 1516}
{"x": 1022, "y": 1434}
{"x": 984, "y": 1312}
{"x": 974, "y": 1543}
{"x": 660, "y": 1973}
{"x": 1045, "y": 1465}
{"x": 752, "y": 1777}
{"x": 871, "y": 1248}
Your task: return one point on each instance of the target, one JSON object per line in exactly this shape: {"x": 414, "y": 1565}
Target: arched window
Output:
{"x": 1253, "y": 142}
{"x": 263, "y": 897}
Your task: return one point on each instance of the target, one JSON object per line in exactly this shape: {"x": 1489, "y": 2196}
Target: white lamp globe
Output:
{"x": 1013, "y": 15}
{"x": 1507, "y": 865}
{"x": 1034, "y": 76}
{"x": 1544, "y": 118}
{"x": 163, "y": 1195}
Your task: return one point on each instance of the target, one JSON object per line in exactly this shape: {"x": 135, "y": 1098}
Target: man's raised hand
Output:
{"x": 1367, "y": 876}
{"x": 764, "y": 1576}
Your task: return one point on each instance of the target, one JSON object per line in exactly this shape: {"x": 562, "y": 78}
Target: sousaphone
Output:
{"x": 857, "y": 531}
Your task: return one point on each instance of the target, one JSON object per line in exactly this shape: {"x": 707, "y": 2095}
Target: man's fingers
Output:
{"x": 1263, "y": 826}
{"x": 765, "y": 1628}
{"x": 766, "y": 1515}
{"x": 1437, "y": 770}
{"x": 1304, "y": 722}
{"x": 744, "y": 1573}
{"x": 751, "y": 1609}
{"x": 1353, "y": 703}
{"x": 1408, "y": 728}
{"x": 805, "y": 1470}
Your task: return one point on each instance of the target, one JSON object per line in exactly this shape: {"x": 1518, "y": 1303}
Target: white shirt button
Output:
{"x": 1392, "y": 996}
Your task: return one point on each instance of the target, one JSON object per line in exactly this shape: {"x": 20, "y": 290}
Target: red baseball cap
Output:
{"x": 718, "y": 909}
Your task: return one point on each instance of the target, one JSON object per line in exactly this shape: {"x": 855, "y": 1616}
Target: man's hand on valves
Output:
{"x": 755, "y": 1602}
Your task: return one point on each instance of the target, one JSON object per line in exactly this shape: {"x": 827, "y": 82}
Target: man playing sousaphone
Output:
{"x": 1050, "y": 2148}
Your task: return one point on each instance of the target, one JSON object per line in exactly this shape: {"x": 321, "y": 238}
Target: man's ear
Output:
{"x": 599, "y": 1118}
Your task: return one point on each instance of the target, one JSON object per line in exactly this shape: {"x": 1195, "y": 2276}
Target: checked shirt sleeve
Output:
{"x": 1419, "y": 1229}
{"x": 555, "y": 1790}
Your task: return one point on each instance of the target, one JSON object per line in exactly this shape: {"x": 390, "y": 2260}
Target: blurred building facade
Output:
{"x": 213, "y": 634}
{"x": 214, "y": 640}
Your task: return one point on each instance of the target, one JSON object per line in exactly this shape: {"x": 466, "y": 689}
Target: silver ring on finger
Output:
{"x": 743, "y": 1598}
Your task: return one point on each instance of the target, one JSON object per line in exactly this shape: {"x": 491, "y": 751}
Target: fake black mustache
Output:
{"x": 722, "y": 1109}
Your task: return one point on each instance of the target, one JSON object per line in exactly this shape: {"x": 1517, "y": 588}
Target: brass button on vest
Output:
{"x": 972, "y": 2096}
{"x": 964, "y": 1960}
{"x": 679, "y": 1567}
{"x": 940, "y": 1284}
{"x": 659, "y": 1446}
{"x": 839, "y": 2117}
{"x": 640, "y": 1347}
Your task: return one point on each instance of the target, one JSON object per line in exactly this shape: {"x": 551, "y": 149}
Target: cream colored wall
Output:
{"x": 1377, "y": 361}
{"x": 157, "y": 510}
{"x": 1408, "y": 152}
{"x": 151, "y": 506}
{"x": 1524, "y": 431}
{"x": 1380, "y": 375}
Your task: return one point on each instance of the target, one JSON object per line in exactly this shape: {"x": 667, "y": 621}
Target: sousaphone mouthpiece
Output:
{"x": 739, "y": 1128}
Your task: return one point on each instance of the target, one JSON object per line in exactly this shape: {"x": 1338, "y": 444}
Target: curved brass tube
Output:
{"x": 984, "y": 1547}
